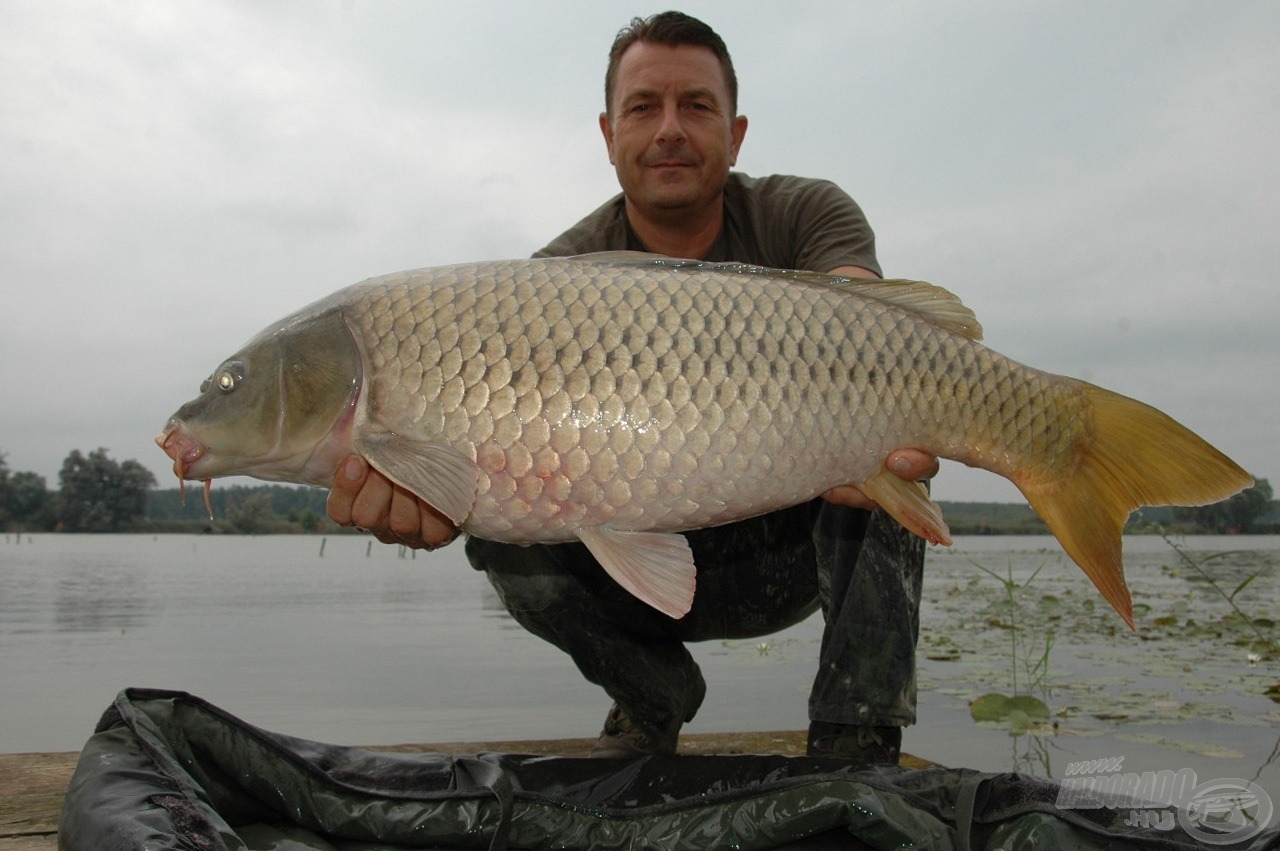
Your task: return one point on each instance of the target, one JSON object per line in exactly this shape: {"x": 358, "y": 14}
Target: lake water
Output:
{"x": 366, "y": 644}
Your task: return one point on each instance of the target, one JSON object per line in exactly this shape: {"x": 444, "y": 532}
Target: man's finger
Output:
{"x": 346, "y": 487}
{"x": 372, "y": 506}
{"x": 403, "y": 518}
{"x": 912, "y": 464}
{"x": 849, "y": 495}
{"x": 437, "y": 530}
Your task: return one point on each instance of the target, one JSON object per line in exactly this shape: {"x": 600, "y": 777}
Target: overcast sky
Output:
{"x": 1099, "y": 181}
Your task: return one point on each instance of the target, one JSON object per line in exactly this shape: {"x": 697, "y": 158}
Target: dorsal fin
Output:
{"x": 934, "y": 303}
{"x": 930, "y": 302}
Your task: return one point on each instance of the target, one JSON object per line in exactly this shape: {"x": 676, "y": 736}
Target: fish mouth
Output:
{"x": 184, "y": 449}
{"x": 186, "y": 452}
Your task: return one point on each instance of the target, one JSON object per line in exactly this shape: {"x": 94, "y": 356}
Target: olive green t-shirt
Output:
{"x": 779, "y": 221}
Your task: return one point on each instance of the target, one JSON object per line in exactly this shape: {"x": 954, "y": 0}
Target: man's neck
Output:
{"x": 676, "y": 236}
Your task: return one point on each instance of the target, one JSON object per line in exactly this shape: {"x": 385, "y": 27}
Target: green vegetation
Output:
{"x": 1253, "y": 511}
{"x": 1026, "y": 706}
{"x": 241, "y": 509}
{"x": 1205, "y": 654}
{"x": 1264, "y": 645}
{"x": 97, "y": 494}
{"x": 1241, "y": 513}
{"x": 992, "y": 518}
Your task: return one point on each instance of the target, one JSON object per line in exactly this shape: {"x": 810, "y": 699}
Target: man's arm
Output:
{"x": 853, "y": 272}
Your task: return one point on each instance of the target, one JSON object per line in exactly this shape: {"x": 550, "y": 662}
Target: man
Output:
{"x": 672, "y": 132}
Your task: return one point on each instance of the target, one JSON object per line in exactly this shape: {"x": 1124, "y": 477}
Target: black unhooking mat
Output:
{"x": 166, "y": 770}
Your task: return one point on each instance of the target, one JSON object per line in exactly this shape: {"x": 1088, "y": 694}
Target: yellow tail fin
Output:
{"x": 1134, "y": 456}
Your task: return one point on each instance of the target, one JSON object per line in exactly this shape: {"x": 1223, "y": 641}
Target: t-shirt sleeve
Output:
{"x": 830, "y": 230}
{"x": 603, "y": 229}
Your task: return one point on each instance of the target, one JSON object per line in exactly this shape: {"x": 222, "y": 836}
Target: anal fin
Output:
{"x": 909, "y": 504}
{"x": 656, "y": 567}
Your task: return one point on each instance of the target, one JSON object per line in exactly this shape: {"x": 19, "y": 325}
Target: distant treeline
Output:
{"x": 994, "y": 518}
{"x": 98, "y": 494}
{"x": 240, "y": 509}
{"x": 277, "y": 509}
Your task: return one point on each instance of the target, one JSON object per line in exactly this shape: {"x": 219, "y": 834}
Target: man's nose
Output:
{"x": 670, "y": 130}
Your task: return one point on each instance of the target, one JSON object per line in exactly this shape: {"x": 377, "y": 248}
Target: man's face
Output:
{"x": 671, "y": 134}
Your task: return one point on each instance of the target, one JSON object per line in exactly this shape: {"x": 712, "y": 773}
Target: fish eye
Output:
{"x": 227, "y": 378}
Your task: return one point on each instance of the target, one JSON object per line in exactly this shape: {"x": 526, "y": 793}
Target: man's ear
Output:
{"x": 737, "y": 131}
{"x": 606, "y": 130}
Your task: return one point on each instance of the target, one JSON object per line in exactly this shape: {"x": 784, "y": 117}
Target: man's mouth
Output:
{"x": 668, "y": 162}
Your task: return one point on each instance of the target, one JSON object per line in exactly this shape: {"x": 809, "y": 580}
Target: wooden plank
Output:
{"x": 43, "y": 842}
{"x": 32, "y": 785}
{"x": 31, "y": 789}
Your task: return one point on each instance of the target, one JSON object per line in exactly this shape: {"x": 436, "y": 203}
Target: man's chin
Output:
{"x": 673, "y": 205}
{"x": 674, "y": 199}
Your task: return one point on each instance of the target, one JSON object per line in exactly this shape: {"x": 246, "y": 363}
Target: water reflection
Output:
{"x": 94, "y": 598}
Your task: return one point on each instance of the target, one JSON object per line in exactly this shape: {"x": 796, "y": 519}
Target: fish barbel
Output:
{"x": 619, "y": 399}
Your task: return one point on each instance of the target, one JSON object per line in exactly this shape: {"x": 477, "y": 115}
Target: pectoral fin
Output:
{"x": 654, "y": 566}
{"x": 436, "y": 473}
{"x": 909, "y": 504}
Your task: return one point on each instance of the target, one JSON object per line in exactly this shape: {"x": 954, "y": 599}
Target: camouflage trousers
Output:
{"x": 755, "y": 577}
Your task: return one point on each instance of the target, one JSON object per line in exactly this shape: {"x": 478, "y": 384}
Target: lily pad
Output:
{"x": 990, "y": 707}
{"x": 1033, "y": 707}
{"x": 1019, "y": 713}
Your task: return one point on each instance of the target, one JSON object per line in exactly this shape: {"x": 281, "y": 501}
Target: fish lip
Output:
{"x": 184, "y": 449}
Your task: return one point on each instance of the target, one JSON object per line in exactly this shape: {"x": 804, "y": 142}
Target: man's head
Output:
{"x": 671, "y": 29}
{"x": 671, "y": 124}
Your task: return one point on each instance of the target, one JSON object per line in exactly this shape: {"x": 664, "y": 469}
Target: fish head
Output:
{"x": 280, "y": 409}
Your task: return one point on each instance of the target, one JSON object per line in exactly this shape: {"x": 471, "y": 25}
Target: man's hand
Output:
{"x": 363, "y": 497}
{"x": 910, "y": 464}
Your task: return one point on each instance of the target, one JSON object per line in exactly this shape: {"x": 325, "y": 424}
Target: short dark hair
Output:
{"x": 671, "y": 29}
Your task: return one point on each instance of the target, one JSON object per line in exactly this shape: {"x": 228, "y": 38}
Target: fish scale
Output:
{"x": 620, "y": 399}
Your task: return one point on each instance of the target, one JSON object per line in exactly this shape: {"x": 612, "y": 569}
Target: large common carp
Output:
{"x": 622, "y": 398}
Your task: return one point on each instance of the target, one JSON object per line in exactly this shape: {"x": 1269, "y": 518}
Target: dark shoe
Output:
{"x": 869, "y": 745}
{"x": 623, "y": 738}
